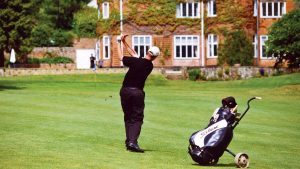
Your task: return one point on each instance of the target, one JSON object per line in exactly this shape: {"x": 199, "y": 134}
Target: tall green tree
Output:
{"x": 284, "y": 39}
{"x": 237, "y": 49}
{"x": 85, "y": 22}
{"x": 61, "y": 12}
{"x": 56, "y": 22}
{"x": 16, "y": 23}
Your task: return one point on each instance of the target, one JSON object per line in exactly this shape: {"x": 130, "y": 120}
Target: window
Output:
{"x": 263, "y": 48}
{"x": 106, "y": 47}
{"x": 141, "y": 44}
{"x": 105, "y": 10}
{"x": 212, "y": 46}
{"x": 188, "y": 10}
{"x": 211, "y": 8}
{"x": 272, "y": 9}
{"x": 186, "y": 47}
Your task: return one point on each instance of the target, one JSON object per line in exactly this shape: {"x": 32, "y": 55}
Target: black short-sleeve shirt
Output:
{"x": 139, "y": 69}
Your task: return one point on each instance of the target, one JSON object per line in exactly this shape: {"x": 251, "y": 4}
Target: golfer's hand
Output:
{"x": 123, "y": 38}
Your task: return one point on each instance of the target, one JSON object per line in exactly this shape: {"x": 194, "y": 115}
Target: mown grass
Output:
{"x": 76, "y": 121}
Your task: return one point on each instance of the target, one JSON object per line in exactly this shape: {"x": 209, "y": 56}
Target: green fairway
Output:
{"x": 76, "y": 121}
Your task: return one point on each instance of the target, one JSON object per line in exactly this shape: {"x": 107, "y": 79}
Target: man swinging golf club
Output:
{"x": 132, "y": 94}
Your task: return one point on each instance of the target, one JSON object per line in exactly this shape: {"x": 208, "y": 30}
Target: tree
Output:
{"x": 85, "y": 22}
{"x": 16, "y": 23}
{"x": 61, "y": 12}
{"x": 55, "y": 22}
{"x": 237, "y": 49}
{"x": 284, "y": 40}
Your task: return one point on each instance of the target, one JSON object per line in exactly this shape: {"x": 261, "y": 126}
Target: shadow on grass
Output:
{"x": 6, "y": 87}
{"x": 219, "y": 165}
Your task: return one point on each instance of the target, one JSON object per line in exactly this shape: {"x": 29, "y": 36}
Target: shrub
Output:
{"x": 33, "y": 61}
{"x": 237, "y": 49}
{"x": 50, "y": 60}
{"x": 62, "y": 59}
{"x": 194, "y": 74}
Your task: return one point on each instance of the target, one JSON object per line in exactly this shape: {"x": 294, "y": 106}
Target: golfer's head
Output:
{"x": 154, "y": 52}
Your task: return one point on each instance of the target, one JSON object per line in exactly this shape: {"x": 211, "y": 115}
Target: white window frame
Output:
{"x": 106, "y": 45}
{"x": 139, "y": 41}
{"x": 212, "y": 41}
{"x": 211, "y": 11}
{"x": 264, "y": 38}
{"x": 254, "y": 7}
{"x": 255, "y": 45}
{"x": 105, "y": 10}
{"x": 267, "y": 8}
{"x": 188, "y": 7}
{"x": 185, "y": 42}
{"x": 99, "y": 12}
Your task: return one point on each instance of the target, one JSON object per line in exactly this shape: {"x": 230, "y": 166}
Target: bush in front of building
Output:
{"x": 194, "y": 74}
{"x": 50, "y": 60}
{"x": 237, "y": 49}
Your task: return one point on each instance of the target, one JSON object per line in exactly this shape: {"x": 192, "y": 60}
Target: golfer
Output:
{"x": 132, "y": 94}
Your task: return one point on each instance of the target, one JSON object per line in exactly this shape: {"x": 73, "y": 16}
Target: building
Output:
{"x": 188, "y": 32}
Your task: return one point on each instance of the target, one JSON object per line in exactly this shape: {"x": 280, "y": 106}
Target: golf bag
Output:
{"x": 208, "y": 145}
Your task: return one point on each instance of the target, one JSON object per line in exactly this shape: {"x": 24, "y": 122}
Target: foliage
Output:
{"x": 194, "y": 74}
{"x": 16, "y": 23}
{"x": 33, "y": 61}
{"x": 50, "y": 60}
{"x": 237, "y": 49}
{"x": 55, "y": 21}
{"x": 284, "y": 39}
{"x": 61, "y": 12}
{"x": 44, "y": 35}
{"x": 110, "y": 25}
{"x": 158, "y": 15}
{"x": 85, "y": 22}
{"x": 239, "y": 17}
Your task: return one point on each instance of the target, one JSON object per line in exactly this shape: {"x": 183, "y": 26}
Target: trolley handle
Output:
{"x": 248, "y": 107}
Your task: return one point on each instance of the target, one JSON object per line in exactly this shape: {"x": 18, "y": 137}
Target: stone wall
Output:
{"x": 60, "y": 71}
{"x": 207, "y": 73}
{"x": 227, "y": 73}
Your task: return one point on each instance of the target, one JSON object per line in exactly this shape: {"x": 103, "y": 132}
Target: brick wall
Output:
{"x": 82, "y": 43}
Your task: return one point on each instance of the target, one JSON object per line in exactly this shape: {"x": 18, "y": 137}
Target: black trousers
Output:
{"x": 133, "y": 104}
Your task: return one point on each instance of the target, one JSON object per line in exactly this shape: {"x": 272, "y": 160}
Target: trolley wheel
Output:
{"x": 213, "y": 162}
{"x": 242, "y": 160}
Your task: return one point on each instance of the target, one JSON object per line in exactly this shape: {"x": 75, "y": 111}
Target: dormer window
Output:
{"x": 272, "y": 9}
{"x": 188, "y": 10}
{"x": 211, "y": 8}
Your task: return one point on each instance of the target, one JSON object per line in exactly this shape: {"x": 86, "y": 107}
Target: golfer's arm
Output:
{"x": 130, "y": 50}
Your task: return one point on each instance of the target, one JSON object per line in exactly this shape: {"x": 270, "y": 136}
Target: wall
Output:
{"x": 82, "y": 43}
{"x": 207, "y": 73}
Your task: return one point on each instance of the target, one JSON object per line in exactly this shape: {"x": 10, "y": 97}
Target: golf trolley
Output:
{"x": 208, "y": 145}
